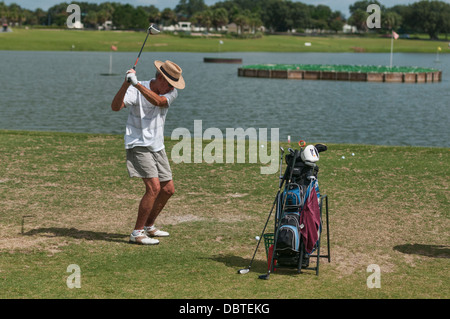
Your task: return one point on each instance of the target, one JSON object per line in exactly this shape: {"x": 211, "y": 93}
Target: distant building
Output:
{"x": 184, "y": 26}
{"x": 349, "y": 28}
{"x": 232, "y": 27}
{"x": 180, "y": 26}
{"x": 77, "y": 25}
{"x": 107, "y": 25}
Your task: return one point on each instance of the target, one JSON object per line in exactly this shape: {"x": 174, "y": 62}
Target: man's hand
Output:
{"x": 131, "y": 77}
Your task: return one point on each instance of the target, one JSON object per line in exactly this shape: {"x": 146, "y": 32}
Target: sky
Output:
{"x": 335, "y": 5}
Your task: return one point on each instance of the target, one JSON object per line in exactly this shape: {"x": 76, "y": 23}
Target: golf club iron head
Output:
{"x": 153, "y": 29}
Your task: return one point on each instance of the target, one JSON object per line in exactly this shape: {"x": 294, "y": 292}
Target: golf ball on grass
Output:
{"x": 257, "y": 238}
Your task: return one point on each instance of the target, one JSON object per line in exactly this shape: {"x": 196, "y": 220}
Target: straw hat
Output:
{"x": 172, "y": 73}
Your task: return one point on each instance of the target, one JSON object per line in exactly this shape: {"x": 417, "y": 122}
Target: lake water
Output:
{"x": 64, "y": 91}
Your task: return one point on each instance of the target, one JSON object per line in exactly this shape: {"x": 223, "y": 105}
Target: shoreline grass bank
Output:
{"x": 130, "y": 41}
{"x": 389, "y": 206}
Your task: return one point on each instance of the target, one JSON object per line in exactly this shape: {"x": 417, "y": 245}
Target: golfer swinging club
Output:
{"x": 148, "y": 103}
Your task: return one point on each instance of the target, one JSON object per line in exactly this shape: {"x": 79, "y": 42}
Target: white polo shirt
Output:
{"x": 145, "y": 124}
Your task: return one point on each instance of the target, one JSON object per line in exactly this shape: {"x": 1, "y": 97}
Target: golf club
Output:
{"x": 246, "y": 270}
{"x": 281, "y": 163}
{"x": 153, "y": 29}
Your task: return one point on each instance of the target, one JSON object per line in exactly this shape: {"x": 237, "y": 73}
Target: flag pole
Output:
{"x": 111, "y": 49}
{"x": 220, "y": 43}
{"x": 392, "y": 49}
{"x": 110, "y": 62}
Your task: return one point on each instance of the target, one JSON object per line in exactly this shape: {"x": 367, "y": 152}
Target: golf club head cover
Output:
{"x": 321, "y": 147}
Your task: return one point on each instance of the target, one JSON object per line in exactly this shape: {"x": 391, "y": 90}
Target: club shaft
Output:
{"x": 265, "y": 226}
{"x": 262, "y": 233}
{"x": 281, "y": 165}
{"x": 139, "y": 55}
{"x": 134, "y": 66}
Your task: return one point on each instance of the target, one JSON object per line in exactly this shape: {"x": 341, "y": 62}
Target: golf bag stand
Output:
{"x": 300, "y": 178}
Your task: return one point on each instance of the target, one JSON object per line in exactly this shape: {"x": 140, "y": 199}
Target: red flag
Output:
{"x": 395, "y": 35}
{"x": 114, "y": 48}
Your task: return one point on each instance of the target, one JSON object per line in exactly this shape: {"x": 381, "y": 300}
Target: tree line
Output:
{"x": 427, "y": 16}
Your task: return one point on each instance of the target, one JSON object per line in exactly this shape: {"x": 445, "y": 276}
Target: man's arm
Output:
{"x": 151, "y": 96}
{"x": 117, "y": 103}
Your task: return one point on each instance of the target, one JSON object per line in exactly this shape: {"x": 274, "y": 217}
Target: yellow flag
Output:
{"x": 439, "y": 48}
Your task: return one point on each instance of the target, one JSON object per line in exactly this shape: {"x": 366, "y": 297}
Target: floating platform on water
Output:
{"x": 222, "y": 60}
{"x": 397, "y": 74}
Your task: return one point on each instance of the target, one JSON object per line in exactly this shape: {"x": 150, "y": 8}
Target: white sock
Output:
{"x": 137, "y": 232}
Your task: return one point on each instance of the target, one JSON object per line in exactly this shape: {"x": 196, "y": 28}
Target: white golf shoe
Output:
{"x": 142, "y": 239}
{"x": 154, "y": 232}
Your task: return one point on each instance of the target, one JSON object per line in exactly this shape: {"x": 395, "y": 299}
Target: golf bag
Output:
{"x": 298, "y": 216}
{"x": 298, "y": 227}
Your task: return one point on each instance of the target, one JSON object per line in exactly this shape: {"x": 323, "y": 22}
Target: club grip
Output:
{"x": 135, "y": 63}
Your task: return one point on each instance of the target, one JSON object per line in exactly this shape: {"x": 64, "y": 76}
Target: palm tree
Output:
{"x": 15, "y": 13}
{"x": 242, "y": 20}
{"x": 219, "y": 17}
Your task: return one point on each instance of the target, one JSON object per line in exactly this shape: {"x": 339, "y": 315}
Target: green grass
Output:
{"x": 388, "y": 206}
{"x": 62, "y": 40}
